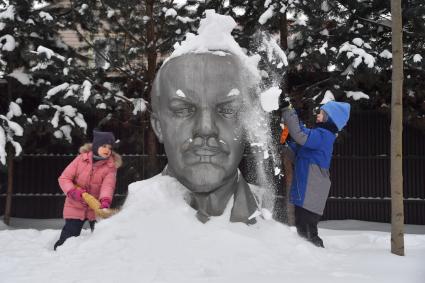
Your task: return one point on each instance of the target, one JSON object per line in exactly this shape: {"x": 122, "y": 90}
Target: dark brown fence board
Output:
{"x": 359, "y": 172}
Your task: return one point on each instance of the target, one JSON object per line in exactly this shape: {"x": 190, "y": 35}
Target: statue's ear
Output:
{"x": 156, "y": 126}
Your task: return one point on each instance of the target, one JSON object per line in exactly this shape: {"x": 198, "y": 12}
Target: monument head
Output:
{"x": 199, "y": 101}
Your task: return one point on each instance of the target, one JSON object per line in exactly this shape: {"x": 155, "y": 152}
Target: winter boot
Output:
{"x": 313, "y": 236}
{"x": 72, "y": 228}
{"x": 302, "y": 230}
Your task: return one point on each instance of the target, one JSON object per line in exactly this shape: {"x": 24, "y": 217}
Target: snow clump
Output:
{"x": 214, "y": 34}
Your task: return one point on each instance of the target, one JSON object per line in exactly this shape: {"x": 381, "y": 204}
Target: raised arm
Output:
{"x": 303, "y": 136}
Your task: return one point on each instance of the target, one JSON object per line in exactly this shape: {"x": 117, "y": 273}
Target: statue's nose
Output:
{"x": 205, "y": 125}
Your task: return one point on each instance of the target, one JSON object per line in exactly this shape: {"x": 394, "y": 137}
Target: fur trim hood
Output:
{"x": 116, "y": 157}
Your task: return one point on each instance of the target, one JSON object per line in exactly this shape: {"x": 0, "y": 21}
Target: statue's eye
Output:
{"x": 183, "y": 111}
{"x": 227, "y": 111}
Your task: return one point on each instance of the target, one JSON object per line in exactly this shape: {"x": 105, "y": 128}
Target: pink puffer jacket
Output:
{"x": 97, "y": 178}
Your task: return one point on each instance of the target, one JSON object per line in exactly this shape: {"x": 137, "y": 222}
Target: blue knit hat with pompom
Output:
{"x": 338, "y": 112}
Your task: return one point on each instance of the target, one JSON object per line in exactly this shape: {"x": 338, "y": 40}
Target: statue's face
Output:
{"x": 198, "y": 119}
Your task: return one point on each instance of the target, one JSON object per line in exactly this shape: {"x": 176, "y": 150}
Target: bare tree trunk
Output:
{"x": 283, "y": 26}
{"x": 9, "y": 151}
{"x": 151, "y": 37}
{"x": 287, "y": 164}
{"x": 397, "y": 214}
{"x": 151, "y": 141}
{"x": 290, "y": 208}
{"x": 8, "y": 206}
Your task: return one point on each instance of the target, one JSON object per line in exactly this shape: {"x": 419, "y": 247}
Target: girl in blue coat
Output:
{"x": 311, "y": 152}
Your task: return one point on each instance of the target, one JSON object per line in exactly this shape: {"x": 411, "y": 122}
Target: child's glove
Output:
{"x": 285, "y": 103}
{"x": 76, "y": 194}
{"x": 105, "y": 203}
{"x": 284, "y": 134}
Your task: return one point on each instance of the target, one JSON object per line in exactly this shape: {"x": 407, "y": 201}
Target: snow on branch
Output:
{"x": 48, "y": 53}
{"x": 86, "y": 90}
{"x": 9, "y": 129}
{"x": 14, "y": 110}
{"x": 356, "y": 95}
{"x": 46, "y": 16}
{"x": 13, "y": 128}
{"x": 20, "y": 76}
{"x": 139, "y": 105}
{"x": 67, "y": 115}
{"x": 7, "y": 43}
{"x": 56, "y": 90}
{"x": 359, "y": 54}
{"x": 8, "y": 14}
{"x": 268, "y": 14}
{"x": 3, "y": 153}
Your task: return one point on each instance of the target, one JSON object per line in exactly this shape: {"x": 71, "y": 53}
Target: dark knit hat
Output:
{"x": 101, "y": 138}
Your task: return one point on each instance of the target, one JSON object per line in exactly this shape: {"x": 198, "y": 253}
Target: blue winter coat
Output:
{"x": 311, "y": 150}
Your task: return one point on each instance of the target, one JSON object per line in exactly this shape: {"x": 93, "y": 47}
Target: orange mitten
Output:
{"x": 284, "y": 135}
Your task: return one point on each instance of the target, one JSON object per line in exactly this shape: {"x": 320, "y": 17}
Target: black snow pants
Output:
{"x": 306, "y": 223}
{"x": 72, "y": 228}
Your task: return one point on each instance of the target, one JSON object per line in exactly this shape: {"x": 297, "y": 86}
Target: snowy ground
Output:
{"x": 156, "y": 238}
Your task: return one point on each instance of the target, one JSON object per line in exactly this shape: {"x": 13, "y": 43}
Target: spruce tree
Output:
{"x": 28, "y": 49}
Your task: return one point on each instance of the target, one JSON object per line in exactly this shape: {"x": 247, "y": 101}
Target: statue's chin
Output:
{"x": 203, "y": 178}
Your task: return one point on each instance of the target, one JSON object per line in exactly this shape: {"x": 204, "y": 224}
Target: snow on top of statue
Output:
{"x": 214, "y": 34}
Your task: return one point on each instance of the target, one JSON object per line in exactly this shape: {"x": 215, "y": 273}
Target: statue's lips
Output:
{"x": 206, "y": 151}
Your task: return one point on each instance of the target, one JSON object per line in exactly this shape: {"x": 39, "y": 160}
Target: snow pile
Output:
{"x": 214, "y": 33}
{"x": 157, "y": 238}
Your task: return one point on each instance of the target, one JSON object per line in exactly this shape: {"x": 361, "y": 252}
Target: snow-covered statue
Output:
{"x": 200, "y": 99}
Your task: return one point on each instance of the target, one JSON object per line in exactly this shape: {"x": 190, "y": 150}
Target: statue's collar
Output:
{"x": 245, "y": 205}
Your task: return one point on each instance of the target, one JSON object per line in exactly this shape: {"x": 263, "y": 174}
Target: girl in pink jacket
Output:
{"x": 93, "y": 171}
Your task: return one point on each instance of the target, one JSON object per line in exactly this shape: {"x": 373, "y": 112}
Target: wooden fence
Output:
{"x": 359, "y": 172}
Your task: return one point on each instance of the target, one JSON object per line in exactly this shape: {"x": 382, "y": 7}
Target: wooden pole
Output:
{"x": 9, "y": 163}
{"x": 151, "y": 141}
{"x": 8, "y": 206}
{"x": 397, "y": 213}
{"x": 286, "y": 163}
